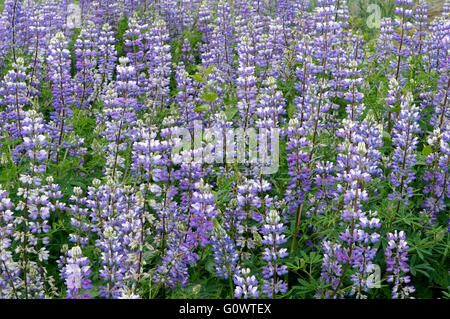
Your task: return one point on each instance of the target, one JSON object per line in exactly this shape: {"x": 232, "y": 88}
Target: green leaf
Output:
{"x": 210, "y": 97}
{"x": 386, "y": 136}
{"x": 257, "y": 238}
{"x": 421, "y": 160}
{"x": 216, "y": 225}
{"x": 227, "y": 101}
{"x": 209, "y": 266}
{"x": 427, "y": 150}
{"x": 291, "y": 109}
{"x": 209, "y": 70}
{"x": 148, "y": 255}
{"x": 198, "y": 78}
{"x": 202, "y": 108}
{"x": 231, "y": 112}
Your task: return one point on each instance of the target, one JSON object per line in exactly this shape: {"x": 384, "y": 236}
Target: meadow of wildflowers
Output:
{"x": 223, "y": 149}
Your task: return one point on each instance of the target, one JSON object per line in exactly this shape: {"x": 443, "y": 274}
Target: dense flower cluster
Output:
{"x": 248, "y": 149}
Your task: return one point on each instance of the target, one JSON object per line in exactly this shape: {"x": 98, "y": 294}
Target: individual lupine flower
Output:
{"x": 288, "y": 22}
{"x": 353, "y": 95}
{"x": 303, "y": 20}
{"x": 64, "y": 10}
{"x": 35, "y": 140}
{"x": 303, "y": 56}
{"x": 186, "y": 13}
{"x": 438, "y": 161}
{"x": 186, "y": 98}
{"x": 246, "y": 284}
{"x": 403, "y": 41}
{"x": 397, "y": 267}
{"x": 268, "y": 120}
{"x": 271, "y": 106}
{"x": 130, "y": 221}
{"x": 174, "y": 238}
{"x": 345, "y": 54}
{"x": 159, "y": 62}
{"x": 120, "y": 115}
{"x": 323, "y": 43}
{"x": 85, "y": 6}
{"x": 352, "y": 172}
{"x": 385, "y": 42}
{"x": 404, "y": 157}
{"x": 171, "y": 13}
{"x": 173, "y": 270}
{"x": 331, "y": 268}
{"x": 326, "y": 18}
{"x": 344, "y": 74}
{"x": 187, "y": 54}
{"x": 106, "y": 11}
{"x": 246, "y": 81}
{"x": 446, "y": 9}
{"x": 393, "y": 97}
{"x": 372, "y": 133}
{"x": 37, "y": 201}
{"x": 345, "y": 253}
{"x": 224, "y": 252}
{"x": 204, "y": 19}
{"x": 441, "y": 113}
{"x": 15, "y": 14}
{"x": 437, "y": 43}
{"x": 248, "y": 201}
{"x": 79, "y": 220}
{"x": 115, "y": 218}
{"x": 146, "y": 153}
{"x": 256, "y": 28}
{"x": 62, "y": 89}
{"x": 85, "y": 64}
{"x": 4, "y": 40}
{"x": 14, "y": 97}
{"x": 76, "y": 272}
{"x": 364, "y": 254}
{"x": 355, "y": 251}
{"x": 52, "y": 21}
{"x": 37, "y": 48}
{"x": 437, "y": 177}
{"x": 202, "y": 211}
{"x": 269, "y": 47}
{"x": 182, "y": 227}
{"x": 134, "y": 46}
{"x": 175, "y": 247}
{"x": 273, "y": 237}
{"x": 112, "y": 258}
{"x": 299, "y": 172}
{"x": 342, "y": 14}
{"x": 9, "y": 269}
{"x": 107, "y": 57}
{"x": 324, "y": 181}
{"x": 421, "y": 24}
{"x": 218, "y": 51}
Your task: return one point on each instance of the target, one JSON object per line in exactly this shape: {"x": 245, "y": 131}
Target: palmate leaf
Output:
{"x": 231, "y": 112}
{"x": 202, "y": 108}
{"x": 427, "y": 150}
{"x": 198, "y": 78}
{"x": 210, "y": 97}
